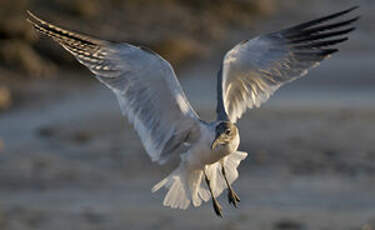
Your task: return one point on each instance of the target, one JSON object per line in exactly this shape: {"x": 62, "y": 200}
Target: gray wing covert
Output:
{"x": 145, "y": 84}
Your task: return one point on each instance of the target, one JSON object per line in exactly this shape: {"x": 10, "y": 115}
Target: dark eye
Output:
{"x": 227, "y": 131}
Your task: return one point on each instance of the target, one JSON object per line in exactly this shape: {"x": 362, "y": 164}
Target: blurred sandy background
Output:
{"x": 68, "y": 160}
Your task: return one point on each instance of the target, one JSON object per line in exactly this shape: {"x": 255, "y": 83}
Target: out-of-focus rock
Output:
{"x": 178, "y": 50}
{"x": 266, "y": 7}
{"x": 46, "y": 132}
{"x": 21, "y": 55}
{"x": 16, "y": 27}
{"x": 82, "y": 8}
{"x": 5, "y": 101}
{"x": 367, "y": 227}
{"x": 1, "y": 146}
{"x": 288, "y": 224}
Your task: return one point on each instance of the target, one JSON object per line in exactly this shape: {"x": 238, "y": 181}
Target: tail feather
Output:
{"x": 187, "y": 186}
{"x": 194, "y": 183}
{"x": 231, "y": 164}
{"x": 160, "y": 184}
{"x": 178, "y": 194}
{"x": 204, "y": 193}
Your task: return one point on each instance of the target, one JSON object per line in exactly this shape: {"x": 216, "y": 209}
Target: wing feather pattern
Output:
{"x": 145, "y": 84}
{"x": 253, "y": 70}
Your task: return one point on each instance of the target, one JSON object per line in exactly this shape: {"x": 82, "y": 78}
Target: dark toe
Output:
{"x": 233, "y": 198}
{"x": 232, "y": 201}
{"x": 217, "y": 207}
{"x": 236, "y": 197}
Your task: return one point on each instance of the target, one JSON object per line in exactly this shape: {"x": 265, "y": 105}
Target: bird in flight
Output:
{"x": 152, "y": 99}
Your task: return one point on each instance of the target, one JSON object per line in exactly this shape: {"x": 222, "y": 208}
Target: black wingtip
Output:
{"x": 353, "y": 8}
{"x": 355, "y": 19}
{"x": 316, "y": 53}
{"x": 320, "y": 44}
{"x": 346, "y": 11}
{"x": 329, "y": 51}
{"x": 308, "y": 37}
{"x": 322, "y": 19}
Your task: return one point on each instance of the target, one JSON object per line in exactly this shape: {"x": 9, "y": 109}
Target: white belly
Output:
{"x": 201, "y": 154}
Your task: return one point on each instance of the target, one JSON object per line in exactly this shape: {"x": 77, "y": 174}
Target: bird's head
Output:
{"x": 225, "y": 133}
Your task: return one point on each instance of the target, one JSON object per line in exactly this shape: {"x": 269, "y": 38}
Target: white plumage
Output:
{"x": 153, "y": 100}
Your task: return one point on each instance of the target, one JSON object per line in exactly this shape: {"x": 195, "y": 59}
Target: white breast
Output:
{"x": 201, "y": 154}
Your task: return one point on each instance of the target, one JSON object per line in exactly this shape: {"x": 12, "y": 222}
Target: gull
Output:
{"x": 151, "y": 97}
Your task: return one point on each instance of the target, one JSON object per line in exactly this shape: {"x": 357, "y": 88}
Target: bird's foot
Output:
{"x": 233, "y": 198}
{"x": 217, "y": 208}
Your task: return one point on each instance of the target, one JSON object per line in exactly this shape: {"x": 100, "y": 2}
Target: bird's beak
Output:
{"x": 218, "y": 140}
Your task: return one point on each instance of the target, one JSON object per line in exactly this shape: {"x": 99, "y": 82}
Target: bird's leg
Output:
{"x": 232, "y": 196}
{"x": 217, "y": 206}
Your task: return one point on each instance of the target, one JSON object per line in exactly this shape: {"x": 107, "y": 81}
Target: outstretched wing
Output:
{"x": 253, "y": 70}
{"x": 144, "y": 83}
